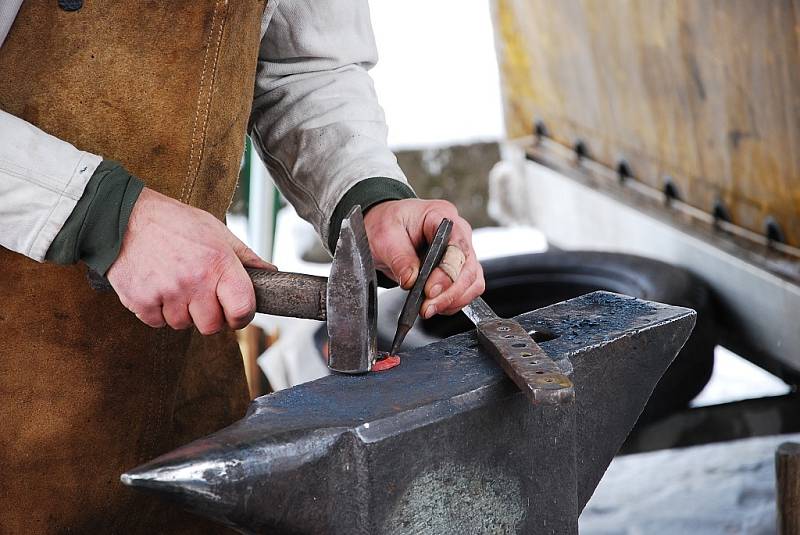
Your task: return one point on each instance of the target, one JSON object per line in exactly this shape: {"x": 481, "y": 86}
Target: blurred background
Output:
{"x": 574, "y": 160}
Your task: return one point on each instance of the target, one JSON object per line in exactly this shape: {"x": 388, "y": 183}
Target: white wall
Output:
{"x": 437, "y": 74}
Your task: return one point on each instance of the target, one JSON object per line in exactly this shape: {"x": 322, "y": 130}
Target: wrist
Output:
{"x": 94, "y": 230}
{"x": 367, "y": 193}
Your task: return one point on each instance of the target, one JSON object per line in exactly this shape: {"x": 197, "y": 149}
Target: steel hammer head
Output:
{"x": 352, "y": 300}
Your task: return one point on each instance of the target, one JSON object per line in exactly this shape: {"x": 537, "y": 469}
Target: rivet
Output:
{"x": 773, "y": 230}
{"x": 720, "y": 211}
{"x": 623, "y": 171}
{"x": 581, "y": 150}
{"x": 539, "y": 128}
{"x": 670, "y": 190}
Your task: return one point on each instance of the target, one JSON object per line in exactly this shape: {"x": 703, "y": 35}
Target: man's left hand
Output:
{"x": 397, "y": 230}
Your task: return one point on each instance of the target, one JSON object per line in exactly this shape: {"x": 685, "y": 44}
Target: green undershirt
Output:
{"x": 366, "y": 193}
{"x": 94, "y": 230}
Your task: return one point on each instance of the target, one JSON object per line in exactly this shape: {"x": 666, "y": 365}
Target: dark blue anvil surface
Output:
{"x": 442, "y": 444}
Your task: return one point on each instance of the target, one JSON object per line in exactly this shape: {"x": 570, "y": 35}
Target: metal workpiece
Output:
{"x": 531, "y": 369}
{"x": 352, "y": 293}
{"x": 444, "y": 444}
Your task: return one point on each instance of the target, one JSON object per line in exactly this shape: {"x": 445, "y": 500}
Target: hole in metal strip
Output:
{"x": 540, "y": 334}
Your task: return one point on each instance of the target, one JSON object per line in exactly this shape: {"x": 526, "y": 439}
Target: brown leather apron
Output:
{"x": 164, "y": 86}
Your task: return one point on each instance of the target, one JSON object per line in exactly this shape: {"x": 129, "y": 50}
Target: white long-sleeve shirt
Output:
{"x": 316, "y": 123}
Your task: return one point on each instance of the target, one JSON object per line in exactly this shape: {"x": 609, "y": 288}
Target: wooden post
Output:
{"x": 787, "y": 472}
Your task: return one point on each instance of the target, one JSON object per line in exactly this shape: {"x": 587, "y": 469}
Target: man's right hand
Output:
{"x": 180, "y": 266}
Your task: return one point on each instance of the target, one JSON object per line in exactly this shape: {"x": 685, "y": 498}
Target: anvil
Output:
{"x": 443, "y": 444}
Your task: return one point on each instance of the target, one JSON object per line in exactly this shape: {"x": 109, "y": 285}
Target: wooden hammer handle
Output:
{"x": 294, "y": 295}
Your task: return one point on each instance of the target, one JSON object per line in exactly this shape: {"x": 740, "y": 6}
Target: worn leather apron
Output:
{"x": 164, "y": 86}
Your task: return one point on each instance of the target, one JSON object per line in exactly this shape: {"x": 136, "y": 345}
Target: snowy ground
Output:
{"x": 717, "y": 489}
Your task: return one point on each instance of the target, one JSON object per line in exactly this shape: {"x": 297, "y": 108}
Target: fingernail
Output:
{"x": 435, "y": 291}
{"x": 406, "y": 275}
{"x": 430, "y": 311}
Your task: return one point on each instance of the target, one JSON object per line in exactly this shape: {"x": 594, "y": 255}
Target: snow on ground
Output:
{"x": 716, "y": 489}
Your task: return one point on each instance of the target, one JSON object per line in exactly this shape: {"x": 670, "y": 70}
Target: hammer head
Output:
{"x": 352, "y": 300}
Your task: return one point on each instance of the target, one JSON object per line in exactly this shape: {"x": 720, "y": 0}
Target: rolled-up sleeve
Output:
{"x": 41, "y": 180}
{"x": 316, "y": 121}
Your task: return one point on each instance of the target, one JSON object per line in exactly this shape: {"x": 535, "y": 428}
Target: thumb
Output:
{"x": 402, "y": 259}
{"x": 247, "y": 256}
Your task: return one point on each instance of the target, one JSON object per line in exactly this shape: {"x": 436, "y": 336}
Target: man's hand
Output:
{"x": 180, "y": 266}
{"x": 397, "y": 230}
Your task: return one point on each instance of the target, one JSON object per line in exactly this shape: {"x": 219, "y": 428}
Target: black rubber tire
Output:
{"x": 517, "y": 284}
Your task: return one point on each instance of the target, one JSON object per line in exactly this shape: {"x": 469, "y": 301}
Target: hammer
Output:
{"x": 346, "y": 300}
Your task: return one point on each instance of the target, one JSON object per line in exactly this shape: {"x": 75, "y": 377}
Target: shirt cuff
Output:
{"x": 94, "y": 230}
{"x": 367, "y": 194}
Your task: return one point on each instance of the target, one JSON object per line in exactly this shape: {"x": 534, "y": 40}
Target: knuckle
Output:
{"x": 215, "y": 262}
{"x": 448, "y": 298}
{"x": 480, "y": 286}
{"x": 240, "y": 313}
{"x": 152, "y": 321}
{"x": 210, "y": 327}
{"x": 178, "y": 325}
{"x": 178, "y": 321}
{"x": 444, "y": 205}
{"x": 471, "y": 277}
{"x": 190, "y": 278}
{"x": 142, "y": 303}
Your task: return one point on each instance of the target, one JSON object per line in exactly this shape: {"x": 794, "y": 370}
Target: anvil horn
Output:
{"x": 443, "y": 444}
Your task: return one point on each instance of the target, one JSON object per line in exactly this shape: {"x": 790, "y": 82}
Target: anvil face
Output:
{"x": 443, "y": 444}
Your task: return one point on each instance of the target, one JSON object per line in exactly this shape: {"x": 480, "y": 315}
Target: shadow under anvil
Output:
{"x": 444, "y": 443}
